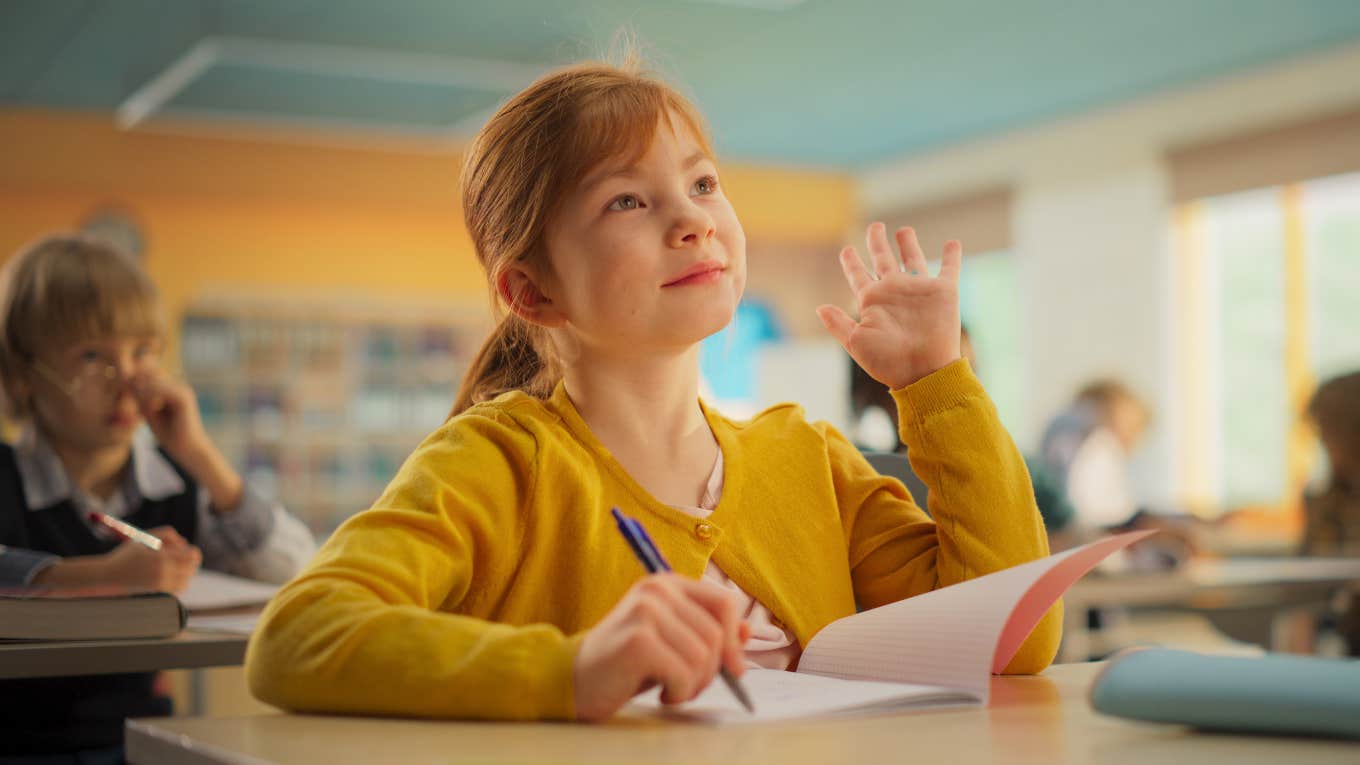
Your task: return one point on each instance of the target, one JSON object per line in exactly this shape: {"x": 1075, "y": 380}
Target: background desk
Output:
{"x": 191, "y": 649}
{"x": 1269, "y": 588}
{"x": 187, "y": 650}
{"x": 1042, "y": 719}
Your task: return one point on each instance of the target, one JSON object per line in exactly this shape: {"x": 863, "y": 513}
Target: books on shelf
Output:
{"x": 317, "y": 402}
{"x": 95, "y": 613}
{"x": 938, "y": 648}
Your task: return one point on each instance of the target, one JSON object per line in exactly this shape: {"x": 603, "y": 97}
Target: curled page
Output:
{"x": 956, "y": 636}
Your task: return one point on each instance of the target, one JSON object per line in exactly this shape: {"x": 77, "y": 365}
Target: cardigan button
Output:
{"x": 704, "y": 531}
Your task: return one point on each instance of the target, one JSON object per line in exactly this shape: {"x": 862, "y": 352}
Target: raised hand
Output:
{"x": 908, "y": 321}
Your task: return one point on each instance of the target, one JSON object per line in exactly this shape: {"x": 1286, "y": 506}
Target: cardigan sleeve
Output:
{"x": 984, "y": 515}
{"x": 371, "y": 625}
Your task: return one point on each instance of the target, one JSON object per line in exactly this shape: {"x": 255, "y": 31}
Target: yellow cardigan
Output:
{"x": 466, "y": 589}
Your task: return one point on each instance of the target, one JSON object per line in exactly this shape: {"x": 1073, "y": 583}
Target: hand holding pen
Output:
{"x": 158, "y": 559}
{"x": 668, "y": 630}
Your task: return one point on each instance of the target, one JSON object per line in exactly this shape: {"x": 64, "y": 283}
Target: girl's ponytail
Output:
{"x": 512, "y": 358}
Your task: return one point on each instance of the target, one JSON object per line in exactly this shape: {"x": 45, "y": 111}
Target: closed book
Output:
{"x": 102, "y": 613}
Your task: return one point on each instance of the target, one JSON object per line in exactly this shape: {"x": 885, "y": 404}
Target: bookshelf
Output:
{"x": 319, "y": 403}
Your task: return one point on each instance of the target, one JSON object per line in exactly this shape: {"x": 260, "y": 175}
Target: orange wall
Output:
{"x": 249, "y": 214}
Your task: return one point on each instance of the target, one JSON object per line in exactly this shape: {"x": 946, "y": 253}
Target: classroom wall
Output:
{"x": 290, "y": 215}
{"x": 1092, "y": 229}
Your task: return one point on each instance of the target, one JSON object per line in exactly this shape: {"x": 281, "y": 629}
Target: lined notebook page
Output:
{"x": 951, "y": 636}
{"x": 780, "y": 695}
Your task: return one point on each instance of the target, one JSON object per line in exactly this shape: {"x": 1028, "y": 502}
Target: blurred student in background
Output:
{"x": 1332, "y": 513}
{"x": 81, "y": 336}
{"x": 1087, "y": 447}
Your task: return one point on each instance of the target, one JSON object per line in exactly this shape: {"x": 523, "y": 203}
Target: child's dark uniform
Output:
{"x": 60, "y": 714}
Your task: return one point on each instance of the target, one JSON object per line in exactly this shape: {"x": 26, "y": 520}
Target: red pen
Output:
{"x": 127, "y": 531}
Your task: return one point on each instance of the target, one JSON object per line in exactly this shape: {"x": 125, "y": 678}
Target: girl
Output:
{"x": 489, "y": 579}
{"x": 80, "y": 344}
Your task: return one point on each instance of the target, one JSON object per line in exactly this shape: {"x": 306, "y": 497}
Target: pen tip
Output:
{"x": 739, "y": 691}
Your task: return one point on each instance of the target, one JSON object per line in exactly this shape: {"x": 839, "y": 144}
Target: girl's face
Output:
{"x": 650, "y": 256}
{"x": 81, "y": 394}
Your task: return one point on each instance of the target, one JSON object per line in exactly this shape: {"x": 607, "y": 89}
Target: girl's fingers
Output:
{"x": 837, "y": 322}
{"x": 722, "y": 612}
{"x": 667, "y": 667}
{"x": 911, "y": 251}
{"x": 952, "y": 261}
{"x": 855, "y": 272}
{"x": 693, "y": 633}
{"x": 885, "y": 262}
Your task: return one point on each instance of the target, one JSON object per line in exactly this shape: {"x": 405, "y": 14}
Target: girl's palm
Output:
{"x": 908, "y": 321}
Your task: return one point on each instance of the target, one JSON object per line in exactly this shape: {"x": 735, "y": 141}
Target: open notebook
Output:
{"x": 939, "y": 648}
{"x": 214, "y": 601}
{"x": 211, "y": 591}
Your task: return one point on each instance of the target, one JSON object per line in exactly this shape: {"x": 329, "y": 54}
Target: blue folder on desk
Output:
{"x": 1276, "y": 693}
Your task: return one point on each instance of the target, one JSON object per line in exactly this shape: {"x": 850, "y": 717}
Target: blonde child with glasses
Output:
{"x": 81, "y": 338}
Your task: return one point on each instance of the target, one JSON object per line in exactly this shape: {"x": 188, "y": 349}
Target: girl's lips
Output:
{"x": 705, "y": 276}
{"x": 122, "y": 420}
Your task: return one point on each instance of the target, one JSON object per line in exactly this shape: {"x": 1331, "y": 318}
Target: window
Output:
{"x": 1276, "y": 310}
{"x": 989, "y": 301}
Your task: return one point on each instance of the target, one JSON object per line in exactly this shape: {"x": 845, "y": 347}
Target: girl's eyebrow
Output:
{"x": 631, "y": 170}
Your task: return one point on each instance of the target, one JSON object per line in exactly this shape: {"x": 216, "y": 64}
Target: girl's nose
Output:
{"x": 692, "y": 227}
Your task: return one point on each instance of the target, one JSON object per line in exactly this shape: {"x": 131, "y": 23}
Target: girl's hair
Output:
{"x": 63, "y": 289}
{"x": 516, "y": 174}
{"x": 1336, "y": 406}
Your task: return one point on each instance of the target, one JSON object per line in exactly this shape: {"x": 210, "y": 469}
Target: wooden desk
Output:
{"x": 1042, "y": 719}
{"x": 1270, "y": 585}
{"x": 187, "y": 650}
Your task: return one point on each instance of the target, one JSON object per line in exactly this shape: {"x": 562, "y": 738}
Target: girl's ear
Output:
{"x": 521, "y": 292}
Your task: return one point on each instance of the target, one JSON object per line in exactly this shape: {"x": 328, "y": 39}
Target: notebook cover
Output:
{"x": 1275, "y": 693}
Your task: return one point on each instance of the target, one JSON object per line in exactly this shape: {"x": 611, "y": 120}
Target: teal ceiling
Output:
{"x": 836, "y": 83}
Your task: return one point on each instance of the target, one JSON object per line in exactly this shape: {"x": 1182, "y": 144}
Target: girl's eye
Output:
{"x": 90, "y": 357}
{"x": 625, "y": 202}
{"x": 706, "y": 185}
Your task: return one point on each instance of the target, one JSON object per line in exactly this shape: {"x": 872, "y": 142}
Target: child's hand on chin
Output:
{"x": 668, "y": 630}
{"x": 908, "y": 321}
{"x": 171, "y": 410}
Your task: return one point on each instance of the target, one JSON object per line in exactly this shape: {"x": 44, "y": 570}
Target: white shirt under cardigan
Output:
{"x": 771, "y": 645}
{"x": 258, "y": 539}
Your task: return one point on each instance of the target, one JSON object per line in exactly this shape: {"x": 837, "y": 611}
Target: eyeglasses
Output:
{"x": 95, "y": 374}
